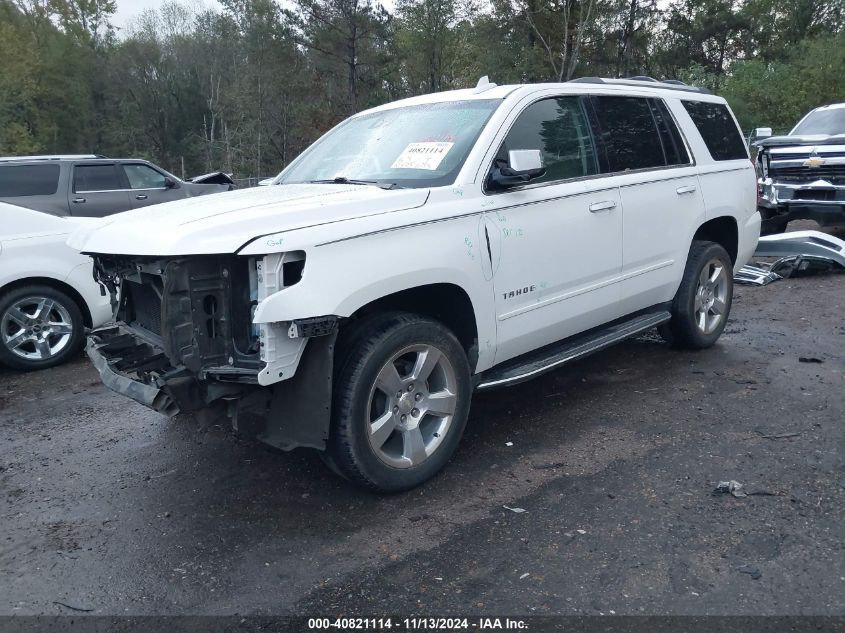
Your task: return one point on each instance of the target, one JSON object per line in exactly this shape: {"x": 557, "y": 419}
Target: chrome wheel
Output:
{"x": 711, "y": 296}
{"x": 411, "y": 406}
{"x": 36, "y": 328}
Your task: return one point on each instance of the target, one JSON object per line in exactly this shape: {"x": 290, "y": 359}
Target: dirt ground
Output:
{"x": 106, "y": 506}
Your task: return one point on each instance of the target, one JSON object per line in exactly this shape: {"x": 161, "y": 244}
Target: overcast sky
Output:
{"x": 128, "y": 9}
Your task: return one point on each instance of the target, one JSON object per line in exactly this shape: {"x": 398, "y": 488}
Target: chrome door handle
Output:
{"x": 78, "y": 200}
{"x": 140, "y": 197}
{"x": 602, "y": 206}
{"x": 682, "y": 190}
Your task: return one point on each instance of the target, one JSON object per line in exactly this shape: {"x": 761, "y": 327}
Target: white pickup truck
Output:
{"x": 425, "y": 249}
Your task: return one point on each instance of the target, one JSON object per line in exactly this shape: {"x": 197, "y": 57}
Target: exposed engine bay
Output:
{"x": 184, "y": 338}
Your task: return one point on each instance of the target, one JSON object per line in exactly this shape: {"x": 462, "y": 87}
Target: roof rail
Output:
{"x": 671, "y": 84}
{"x": 53, "y": 157}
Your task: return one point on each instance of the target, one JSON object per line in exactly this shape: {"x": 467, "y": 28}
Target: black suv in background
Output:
{"x": 96, "y": 186}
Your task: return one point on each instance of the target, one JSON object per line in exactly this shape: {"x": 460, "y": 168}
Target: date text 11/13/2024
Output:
{"x": 415, "y": 624}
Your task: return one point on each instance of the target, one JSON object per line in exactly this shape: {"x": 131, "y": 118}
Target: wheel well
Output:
{"x": 446, "y": 303}
{"x": 58, "y": 285}
{"x": 723, "y": 231}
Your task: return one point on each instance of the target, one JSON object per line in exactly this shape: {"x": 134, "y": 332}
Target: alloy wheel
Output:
{"x": 711, "y": 296}
{"x": 36, "y": 328}
{"x": 411, "y": 406}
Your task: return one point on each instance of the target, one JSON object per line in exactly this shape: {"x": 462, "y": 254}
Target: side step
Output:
{"x": 553, "y": 356}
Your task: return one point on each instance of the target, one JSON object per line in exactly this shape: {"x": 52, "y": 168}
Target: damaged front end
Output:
{"x": 214, "y": 178}
{"x": 184, "y": 335}
{"x": 185, "y": 338}
{"x": 801, "y": 180}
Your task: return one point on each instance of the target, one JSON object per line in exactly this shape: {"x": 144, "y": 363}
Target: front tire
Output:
{"x": 702, "y": 304}
{"x": 401, "y": 401}
{"x": 40, "y": 327}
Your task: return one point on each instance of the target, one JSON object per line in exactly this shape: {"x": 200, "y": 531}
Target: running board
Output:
{"x": 553, "y": 356}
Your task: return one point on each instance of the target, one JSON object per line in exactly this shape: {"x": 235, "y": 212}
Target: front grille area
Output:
{"x": 834, "y": 174}
{"x": 196, "y": 309}
{"x": 804, "y": 155}
{"x": 826, "y": 195}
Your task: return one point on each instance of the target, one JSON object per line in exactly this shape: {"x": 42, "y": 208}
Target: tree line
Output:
{"x": 246, "y": 88}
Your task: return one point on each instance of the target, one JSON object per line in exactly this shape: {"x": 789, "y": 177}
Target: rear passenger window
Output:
{"x": 718, "y": 129}
{"x": 673, "y": 145}
{"x": 629, "y": 133}
{"x": 28, "y": 180}
{"x": 558, "y": 128}
{"x": 95, "y": 178}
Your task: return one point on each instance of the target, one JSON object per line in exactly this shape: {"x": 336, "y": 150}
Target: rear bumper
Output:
{"x": 748, "y": 237}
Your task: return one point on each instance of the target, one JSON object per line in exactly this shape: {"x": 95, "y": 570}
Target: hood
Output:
{"x": 812, "y": 139}
{"x": 225, "y": 222}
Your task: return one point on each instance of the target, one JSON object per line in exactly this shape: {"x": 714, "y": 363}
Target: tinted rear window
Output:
{"x": 28, "y": 180}
{"x": 95, "y": 178}
{"x": 629, "y": 133}
{"x": 673, "y": 145}
{"x": 718, "y": 129}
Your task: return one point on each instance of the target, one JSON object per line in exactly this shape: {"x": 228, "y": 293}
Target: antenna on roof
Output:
{"x": 483, "y": 85}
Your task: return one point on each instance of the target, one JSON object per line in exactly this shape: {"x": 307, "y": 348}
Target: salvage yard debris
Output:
{"x": 800, "y": 253}
{"x": 71, "y": 607}
{"x": 752, "y": 571}
{"x": 733, "y": 487}
{"x": 780, "y": 436}
{"x": 755, "y": 275}
{"x": 739, "y": 491}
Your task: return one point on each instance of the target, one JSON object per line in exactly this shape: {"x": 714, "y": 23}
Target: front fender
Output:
{"x": 342, "y": 277}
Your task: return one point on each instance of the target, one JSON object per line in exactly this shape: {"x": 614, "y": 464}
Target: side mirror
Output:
{"x": 523, "y": 166}
{"x": 762, "y": 132}
{"x": 169, "y": 183}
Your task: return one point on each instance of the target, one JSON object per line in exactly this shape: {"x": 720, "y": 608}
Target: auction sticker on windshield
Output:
{"x": 422, "y": 156}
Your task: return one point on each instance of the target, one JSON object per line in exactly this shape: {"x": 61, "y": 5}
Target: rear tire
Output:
{"x": 40, "y": 327}
{"x": 401, "y": 400}
{"x": 702, "y": 304}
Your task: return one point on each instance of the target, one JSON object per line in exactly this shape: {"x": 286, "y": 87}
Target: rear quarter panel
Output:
{"x": 728, "y": 187}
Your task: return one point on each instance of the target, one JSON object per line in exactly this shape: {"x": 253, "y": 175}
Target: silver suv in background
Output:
{"x": 96, "y": 186}
{"x": 802, "y": 174}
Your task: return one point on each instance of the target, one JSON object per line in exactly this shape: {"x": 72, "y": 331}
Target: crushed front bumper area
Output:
{"x": 824, "y": 213}
{"x": 297, "y": 411}
{"x": 782, "y": 202}
{"x": 138, "y": 368}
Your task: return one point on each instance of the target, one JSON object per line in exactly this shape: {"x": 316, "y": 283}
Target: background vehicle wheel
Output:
{"x": 703, "y": 302}
{"x": 39, "y": 327}
{"x": 401, "y": 401}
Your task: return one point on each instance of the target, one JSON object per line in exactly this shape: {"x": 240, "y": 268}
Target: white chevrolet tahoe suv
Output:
{"x": 425, "y": 249}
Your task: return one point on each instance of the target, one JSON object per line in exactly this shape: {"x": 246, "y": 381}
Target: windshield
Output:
{"x": 414, "y": 146}
{"x": 830, "y": 121}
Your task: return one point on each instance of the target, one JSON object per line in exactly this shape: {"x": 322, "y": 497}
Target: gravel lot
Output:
{"x": 109, "y": 507}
